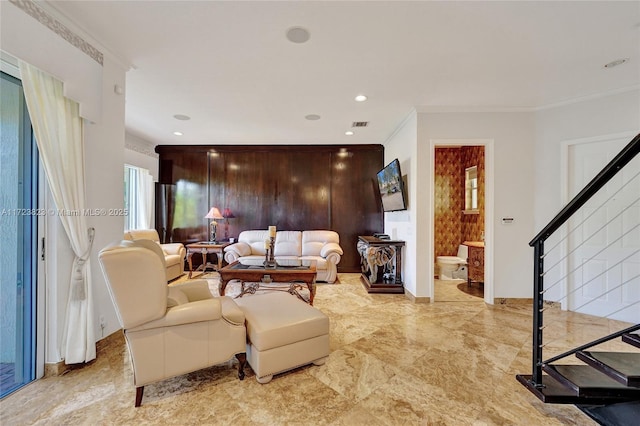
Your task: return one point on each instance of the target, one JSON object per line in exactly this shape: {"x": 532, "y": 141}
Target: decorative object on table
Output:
{"x": 227, "y": 214}
{"x": 213, "y": 214}
{"x": 269, "y": 246}
{"x": 381, "y": 264}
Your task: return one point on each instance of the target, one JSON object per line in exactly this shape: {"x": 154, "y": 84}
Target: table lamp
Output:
{"x": 213, "y": 214}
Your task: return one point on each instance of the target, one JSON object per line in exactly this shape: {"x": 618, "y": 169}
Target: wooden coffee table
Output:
{"x": 279, "y": 274}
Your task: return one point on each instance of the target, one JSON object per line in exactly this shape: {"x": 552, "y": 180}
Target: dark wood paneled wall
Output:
{"x": 294, "y": 187}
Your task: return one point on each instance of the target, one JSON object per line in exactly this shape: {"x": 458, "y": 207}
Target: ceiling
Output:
{"x": 229, "y": 66}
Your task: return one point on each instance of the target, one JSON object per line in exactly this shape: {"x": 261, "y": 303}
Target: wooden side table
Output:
{"x": 205, "y": 247}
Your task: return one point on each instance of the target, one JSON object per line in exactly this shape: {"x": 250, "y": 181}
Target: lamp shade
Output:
{"x": 227, "y": 214}
{"x": 214, "y": 213}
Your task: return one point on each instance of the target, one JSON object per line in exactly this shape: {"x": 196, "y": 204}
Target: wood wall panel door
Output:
{"x": 299, "y": 190}
{"x": 292, "y": 187}
{"x": 240, "y": 184}
{"x": 355, "y": 203}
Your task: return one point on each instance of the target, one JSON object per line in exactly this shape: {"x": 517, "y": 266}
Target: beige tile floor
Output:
{"x": 392, "y": 362}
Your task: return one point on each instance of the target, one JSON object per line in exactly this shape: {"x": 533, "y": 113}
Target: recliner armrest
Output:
{"x": 195, "y": 290}
{"x": 188, "y": 313}
{"x": 231, "y": 312}
{"x": 330, "y": 248}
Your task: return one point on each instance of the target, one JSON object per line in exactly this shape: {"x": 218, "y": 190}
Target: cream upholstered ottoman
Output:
{"x": 283, "y": 333}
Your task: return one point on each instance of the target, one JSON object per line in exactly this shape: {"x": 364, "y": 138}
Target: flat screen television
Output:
{"x": 391, "y": 187}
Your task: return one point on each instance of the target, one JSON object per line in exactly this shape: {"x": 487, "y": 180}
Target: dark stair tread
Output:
{"x": 589, "y": 382}
{"x": 624, "y": 367}
{"x": 554, "y": 392}
{"x": 632, "y": 339}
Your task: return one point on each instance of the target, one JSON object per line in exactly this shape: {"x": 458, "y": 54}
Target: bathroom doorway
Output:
{"x": 461, "y": 201}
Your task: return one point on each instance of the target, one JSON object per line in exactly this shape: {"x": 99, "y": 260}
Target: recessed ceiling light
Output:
{"x": 298, "y": 35}
{"x": 181, "y": 117}
{"x": 312, "y": 117}
{"x": 348, "y": 133}
{"x": 177, "y": 133}
{"x": 616, "y": 62}
{"x": 361, "y": 98}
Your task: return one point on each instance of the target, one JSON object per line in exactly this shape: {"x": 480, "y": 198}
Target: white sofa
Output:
{"x": 291, "y": 247}
{"x": 174, "y": 253}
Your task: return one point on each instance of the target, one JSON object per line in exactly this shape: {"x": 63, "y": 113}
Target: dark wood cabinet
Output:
{"x": 476, "y": 263}
{"x": 381, "y": 264}
{"x": 294, "y": 187}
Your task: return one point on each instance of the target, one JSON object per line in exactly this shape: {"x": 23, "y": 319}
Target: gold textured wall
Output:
{"x": 452, "y": 227}
{"x": 473, "y": 224}
{"x": 449, "y": 201}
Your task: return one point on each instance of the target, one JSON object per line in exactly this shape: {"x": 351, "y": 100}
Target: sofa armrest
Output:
{"x": 188, "y": 313}
{"x": 330, "y": 248}
{"x": 194, "y": 290}
{"x": 174, "y": 248}
{"x": 235, "y": 251}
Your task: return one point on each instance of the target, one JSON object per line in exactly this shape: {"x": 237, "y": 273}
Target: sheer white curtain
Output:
{"x": 139, "y": 197}
{"x": 58, "y": 129}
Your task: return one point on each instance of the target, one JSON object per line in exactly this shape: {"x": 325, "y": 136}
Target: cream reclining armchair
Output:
{"x": 169, "y": 330}
{"x": 174, "y": 253}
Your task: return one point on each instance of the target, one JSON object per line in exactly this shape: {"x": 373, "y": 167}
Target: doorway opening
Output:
{"x": 462, "y": 202}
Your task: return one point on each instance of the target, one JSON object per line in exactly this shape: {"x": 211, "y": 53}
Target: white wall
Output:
{"x": 618, "y": 113}
{"x": 602, "y": 116}
{"x": 104, "y": 152}
{"x": 104, "y": 168}
{"x": 401, "y": 225}
{"x": 140, "y": 153}
{"x": 513, "y": 144}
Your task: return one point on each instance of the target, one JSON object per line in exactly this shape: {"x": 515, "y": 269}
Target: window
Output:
{"x": 138, "y": 197}
{"x": 471, "y": 190}
{"x": 18, "y": 232}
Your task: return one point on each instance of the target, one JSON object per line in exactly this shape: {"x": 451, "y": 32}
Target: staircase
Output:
{"x": 605, "y": 378}
{"x": 609, "y": 379}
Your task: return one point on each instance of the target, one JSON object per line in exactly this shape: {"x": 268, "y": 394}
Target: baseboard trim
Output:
{"x": 56, "y": 369}
{"x": 512, "y": 301}
{"x": 415, "y": 299}
{"x": 60, "y": 368}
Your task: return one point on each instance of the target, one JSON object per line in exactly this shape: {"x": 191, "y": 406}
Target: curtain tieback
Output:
{"x": 78, "y": 286}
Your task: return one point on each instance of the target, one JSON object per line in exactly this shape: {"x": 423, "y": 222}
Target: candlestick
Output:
{"x": 269, "y": 256}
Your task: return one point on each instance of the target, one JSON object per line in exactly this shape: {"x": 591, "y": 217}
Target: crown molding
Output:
{"x": 412, "y": 113}
{"x": 44, "y": 17}
{"x": 81, "y": 31}
{"x": 470, "y": 108}
{"x": 488, "y": 108}
{"x": 135, "y": 143}
{"x": 589, "y": 97}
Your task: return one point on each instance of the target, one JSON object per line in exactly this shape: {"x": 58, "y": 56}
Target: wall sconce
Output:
{"x": 213, "y": 214}
{"x": 227, "y": 214}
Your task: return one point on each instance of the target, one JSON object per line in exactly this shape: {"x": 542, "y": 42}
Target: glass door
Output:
{"x": 18, "y": 233}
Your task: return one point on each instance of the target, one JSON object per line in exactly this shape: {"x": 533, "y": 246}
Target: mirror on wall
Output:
{"x": 471, "y": 190}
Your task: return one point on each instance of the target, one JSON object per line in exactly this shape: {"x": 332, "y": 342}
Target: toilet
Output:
{"x": 454, "y": 267}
